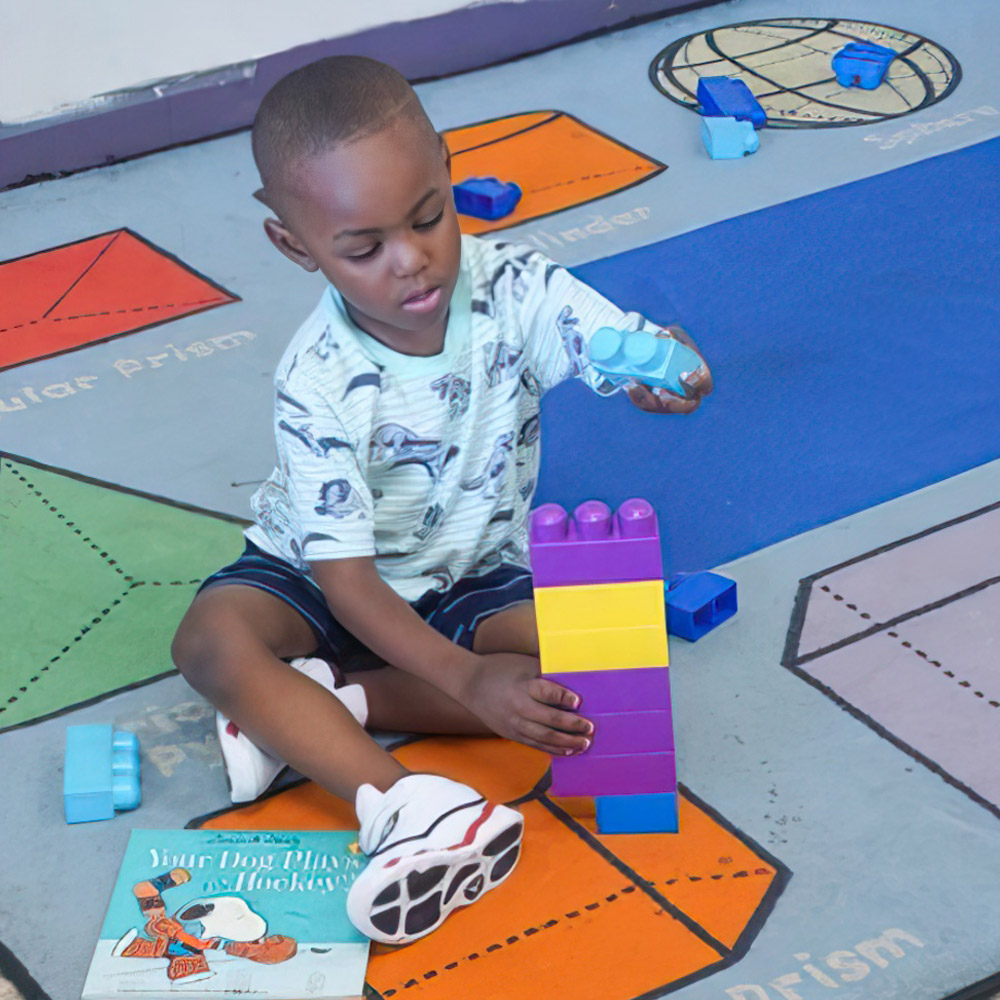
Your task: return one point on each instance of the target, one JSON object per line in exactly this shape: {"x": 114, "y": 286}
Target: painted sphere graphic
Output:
{"x": 786, "y": 62}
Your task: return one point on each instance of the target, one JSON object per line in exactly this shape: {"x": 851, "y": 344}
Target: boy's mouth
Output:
{"x": 425, "y": 301}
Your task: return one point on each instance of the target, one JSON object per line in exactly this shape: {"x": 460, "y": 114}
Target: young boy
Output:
{"x": 394, "y": 526}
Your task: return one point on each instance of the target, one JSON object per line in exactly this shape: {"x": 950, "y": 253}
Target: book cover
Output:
{"x": 229, "y": 913}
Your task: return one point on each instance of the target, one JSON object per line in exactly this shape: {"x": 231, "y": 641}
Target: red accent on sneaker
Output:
{"x": 232, "y": 729}
{"x": 470, "y": 834}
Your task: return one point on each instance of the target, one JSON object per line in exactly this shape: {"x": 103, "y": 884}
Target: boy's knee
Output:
{"x": 201, "y": 643}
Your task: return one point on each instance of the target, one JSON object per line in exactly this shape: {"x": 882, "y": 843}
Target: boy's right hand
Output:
{"x": 506, "y": 692}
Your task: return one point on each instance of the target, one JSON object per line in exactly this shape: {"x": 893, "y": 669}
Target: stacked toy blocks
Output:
{"x": 729, "y": 97}
{"x": 602, "y": 633}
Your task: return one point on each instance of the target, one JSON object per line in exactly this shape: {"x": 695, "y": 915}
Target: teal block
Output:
{"x": 101, "y": 773}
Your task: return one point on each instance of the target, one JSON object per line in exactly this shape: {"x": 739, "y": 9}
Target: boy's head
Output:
{"x": 359, "y": 183}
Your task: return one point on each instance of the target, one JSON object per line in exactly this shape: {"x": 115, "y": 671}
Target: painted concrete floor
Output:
{"x": 875, "y": 840}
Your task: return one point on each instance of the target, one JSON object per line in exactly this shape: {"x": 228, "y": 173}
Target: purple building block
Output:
{"x": 606, "y": 691}
{"x": 619, "y": 733}
{"x": 594, "y": 545}
{"x": 620, "y": 774}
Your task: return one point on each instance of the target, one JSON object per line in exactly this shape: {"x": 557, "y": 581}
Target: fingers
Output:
{"x": 552, "y": 727}
{"x": 551, "y": 693}
{"x": 661, "y": 400}
{"x": 552, "y": 741}
{"x": 700, "y": 382}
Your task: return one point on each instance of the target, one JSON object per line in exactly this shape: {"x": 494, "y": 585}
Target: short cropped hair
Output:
{"x": 325, "y": 104}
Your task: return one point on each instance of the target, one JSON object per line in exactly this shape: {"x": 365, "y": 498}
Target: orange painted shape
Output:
{"x": 70, "y": 296}
{"x": 557, "y": 161}
{"x": 569, "y": 921}
{"x": 705, "y": 870}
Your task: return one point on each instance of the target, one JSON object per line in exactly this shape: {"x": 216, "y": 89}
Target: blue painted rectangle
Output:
{"x": 823, "y": 319}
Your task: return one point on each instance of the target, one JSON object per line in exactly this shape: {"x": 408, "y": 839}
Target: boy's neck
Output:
{"x": 415, "y": 343}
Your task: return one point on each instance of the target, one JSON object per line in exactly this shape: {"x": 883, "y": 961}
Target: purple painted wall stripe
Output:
{"x": 186, "y": 110}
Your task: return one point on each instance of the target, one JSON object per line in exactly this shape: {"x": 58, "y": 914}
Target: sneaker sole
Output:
{"x": 409, "y": 896}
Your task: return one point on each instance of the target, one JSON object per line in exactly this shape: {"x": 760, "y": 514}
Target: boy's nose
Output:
{"x": 410, "y": 258}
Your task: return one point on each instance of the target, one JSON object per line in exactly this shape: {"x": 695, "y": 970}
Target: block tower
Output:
{"x": 602, "y": 633}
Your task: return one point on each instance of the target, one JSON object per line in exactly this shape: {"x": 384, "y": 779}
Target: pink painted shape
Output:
{"x": 938, "y": 693}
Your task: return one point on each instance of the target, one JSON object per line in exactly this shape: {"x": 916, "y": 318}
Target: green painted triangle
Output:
{"x": 95, "y": 580}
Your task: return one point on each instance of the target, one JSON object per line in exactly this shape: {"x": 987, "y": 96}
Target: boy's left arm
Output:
{"x": 560, "y": 313}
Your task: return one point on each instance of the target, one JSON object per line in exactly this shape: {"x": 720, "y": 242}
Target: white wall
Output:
{"x": 55, "y": 54}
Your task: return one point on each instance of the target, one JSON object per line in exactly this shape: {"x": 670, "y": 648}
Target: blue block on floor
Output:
{"x": 486, "y": 197}
{"x": 728, "y": 139}
{"x": 697, "y": 602}
{"x": 727, "y": 97}
{"x": 653, "y": 813}
{"x": 862, "y": 64}
{"x": 101, "y": 773}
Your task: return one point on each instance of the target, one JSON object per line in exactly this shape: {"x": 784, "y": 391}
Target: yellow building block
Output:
{"x": 603, "y": 649}
{"x": 600, "y": 605}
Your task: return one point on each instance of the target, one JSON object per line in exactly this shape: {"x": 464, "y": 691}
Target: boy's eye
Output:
{"x": 431, "y": 223}
{"x": 367, "y": 253}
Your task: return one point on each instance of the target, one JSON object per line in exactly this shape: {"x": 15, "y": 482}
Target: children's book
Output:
{"x": 230, "y": 913}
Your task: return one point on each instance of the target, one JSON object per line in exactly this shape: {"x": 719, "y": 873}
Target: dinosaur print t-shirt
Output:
{"x": 428, "y": 464}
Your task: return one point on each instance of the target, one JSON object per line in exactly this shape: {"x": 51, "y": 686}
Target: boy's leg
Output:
{"x": 433, "y": 844}
{"x": 230, "y": 647}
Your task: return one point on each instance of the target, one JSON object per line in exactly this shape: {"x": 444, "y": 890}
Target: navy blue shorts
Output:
{"x": 454, "y": 613}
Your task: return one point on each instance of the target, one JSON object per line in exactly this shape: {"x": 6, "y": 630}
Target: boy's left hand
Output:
{"x": 697, "y": 383}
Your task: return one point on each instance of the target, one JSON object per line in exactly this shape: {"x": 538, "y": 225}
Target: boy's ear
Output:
{"x": 286, "y": 241}
{"x": 446, "y": 151}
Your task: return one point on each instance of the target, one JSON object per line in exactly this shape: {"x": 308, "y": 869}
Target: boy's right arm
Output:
{"x": 502, "y": 689}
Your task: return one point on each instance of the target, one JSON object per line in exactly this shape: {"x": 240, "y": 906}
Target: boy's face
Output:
{"x": 377, "y": 217}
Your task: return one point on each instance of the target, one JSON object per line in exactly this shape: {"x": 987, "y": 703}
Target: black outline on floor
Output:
{"x": 103, "y": 484}
{"x": 984, "y": 989}
{"x": 792, "y": 661}
{"x": 728, "y": 956}
{"x": 115, "y": 233}
{"x": 19, "y": 977}
{"x": 659, "y": 167}
{"x": 668, "y": 52}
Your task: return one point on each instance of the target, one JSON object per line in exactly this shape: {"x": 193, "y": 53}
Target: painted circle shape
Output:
{"x": 786, "y": 62}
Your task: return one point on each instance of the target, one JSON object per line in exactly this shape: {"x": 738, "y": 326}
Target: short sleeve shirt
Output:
{"x": 427, "y": 464}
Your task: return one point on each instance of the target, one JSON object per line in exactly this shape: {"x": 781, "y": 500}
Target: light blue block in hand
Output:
{"x": 642, "y": 356}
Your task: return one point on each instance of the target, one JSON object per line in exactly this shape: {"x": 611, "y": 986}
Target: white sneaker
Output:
{"x": 250, "y": 768}
{"x": 433, "y": 845}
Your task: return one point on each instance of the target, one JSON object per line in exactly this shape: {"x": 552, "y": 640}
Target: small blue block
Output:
{"x": 728, "y": 139}
{"x": 697, "y": 602}
{"x": 101, "y": 773}
{"x": 652, "y": 813}
{"x": 486, "y": 197}
{"x": 643, "y": 356}
{"x": 727, "y": 97}
{"x": 862, "y": 64}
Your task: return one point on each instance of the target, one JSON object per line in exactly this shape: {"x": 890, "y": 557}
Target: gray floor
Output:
{"x": 778, "y": 758}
